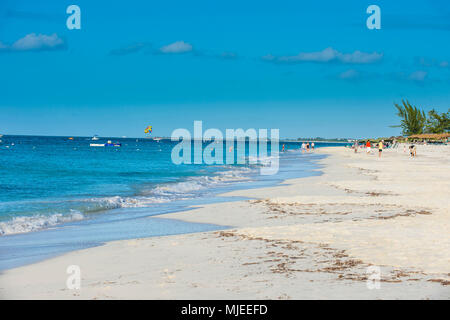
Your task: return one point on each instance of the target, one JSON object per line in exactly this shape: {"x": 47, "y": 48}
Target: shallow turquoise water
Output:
{"x": 59, "y": 194}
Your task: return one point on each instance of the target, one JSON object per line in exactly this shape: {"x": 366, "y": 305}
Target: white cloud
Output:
{"x": 33, "y": 42}
{"x": 359, "y": 57}
{"x": 349, "y": 74}
{"x": 177, "y": 47}
{"x": 418, "y": 75}
{"x": 325, "y": 55}
{"x": 269, "y": 57}
{"x": 328, "y": 55}
{"x": 429, "y": 62}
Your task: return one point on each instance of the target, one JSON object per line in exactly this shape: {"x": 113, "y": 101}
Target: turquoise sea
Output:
{"x": 58, "y": 195}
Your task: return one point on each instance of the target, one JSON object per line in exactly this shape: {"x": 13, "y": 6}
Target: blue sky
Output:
{"x": 309, "y": 69}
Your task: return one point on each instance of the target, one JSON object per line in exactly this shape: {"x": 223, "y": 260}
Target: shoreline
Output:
{"x": 306, "y": 238}
{"x": 88, "y": 233}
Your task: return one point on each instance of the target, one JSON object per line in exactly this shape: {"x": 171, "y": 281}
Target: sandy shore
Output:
{"x": 310, "y": 238}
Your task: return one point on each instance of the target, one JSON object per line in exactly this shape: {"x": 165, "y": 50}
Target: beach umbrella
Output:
{"x": 434, "y": 136}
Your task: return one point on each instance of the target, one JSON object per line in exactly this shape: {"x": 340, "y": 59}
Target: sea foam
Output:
{"x": 23, "y": 224}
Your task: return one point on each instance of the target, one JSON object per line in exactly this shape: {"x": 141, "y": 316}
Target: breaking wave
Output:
{"x": 162, "y": 193}
{"x": 25, "y": 224}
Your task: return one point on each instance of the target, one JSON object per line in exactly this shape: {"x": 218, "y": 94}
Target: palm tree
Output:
{"x": 413, "y": 119}
{"x": 438, "y": 123}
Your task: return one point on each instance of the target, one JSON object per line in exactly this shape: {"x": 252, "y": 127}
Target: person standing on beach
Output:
{"x": 307, "y": 147}
{"x": 303, "y": 147}
{"x": 368, "y": 146}
{"x": 380, "y": 148}
{"x": 356, "y": 146}
{"x": 283, "y": 148}
{"x": 412, "y": 150}
{"x": 312, "y": 145}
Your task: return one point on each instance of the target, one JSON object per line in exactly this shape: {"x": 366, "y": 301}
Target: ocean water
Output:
{"x": 58, "y": 195}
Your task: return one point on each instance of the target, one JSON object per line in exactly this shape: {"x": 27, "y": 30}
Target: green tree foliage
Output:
{"x": 438, "y": 123}
{"x": 413, "y": 119}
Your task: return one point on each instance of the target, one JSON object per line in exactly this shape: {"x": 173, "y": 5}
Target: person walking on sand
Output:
{"x": 412, "y": 151}
{"x": 303, "y": 147}
{"x": 380, "y": 148}
{"x": 368, "y": 146}
{"x": 312, "y": 146}
{"x": 356, "y": 146}
{"x": 283, "y": 148}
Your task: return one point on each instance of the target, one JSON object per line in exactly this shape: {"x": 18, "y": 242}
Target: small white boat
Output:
{"x": 108, "y": 144}
{"x": 95, "y": 137}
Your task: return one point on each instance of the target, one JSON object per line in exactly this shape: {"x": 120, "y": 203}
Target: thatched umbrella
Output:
{"x": 432, "y": 136}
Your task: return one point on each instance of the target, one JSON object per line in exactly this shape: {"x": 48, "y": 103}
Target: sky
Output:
{"x": 307, "y": 68}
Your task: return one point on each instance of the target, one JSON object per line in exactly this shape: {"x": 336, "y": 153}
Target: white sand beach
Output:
{"x": 309, "y": 238}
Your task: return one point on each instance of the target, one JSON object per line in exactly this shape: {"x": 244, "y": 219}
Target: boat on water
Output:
{"x": 112, "y": 144}
{"x": 108, "y": 144}
{"x": 95, "y": 137}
